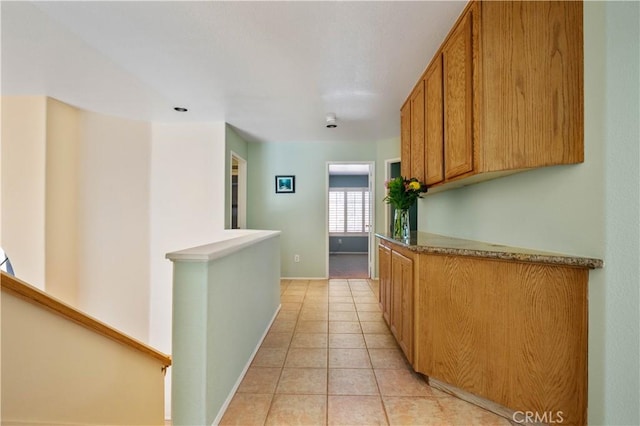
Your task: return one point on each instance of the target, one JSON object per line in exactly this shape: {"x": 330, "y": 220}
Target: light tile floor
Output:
{"x": 329, "y": 359}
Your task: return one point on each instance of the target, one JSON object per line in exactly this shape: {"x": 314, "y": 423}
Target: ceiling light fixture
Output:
{"x": 180, "y": 109}
{"x": 331, "y": 121}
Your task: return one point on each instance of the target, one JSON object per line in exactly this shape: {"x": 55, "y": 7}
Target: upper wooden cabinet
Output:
{"x": 503, "y": 94}
{"x": 434, "y": 130}
{"x": 457, "y": 58}
{"x": 417, "y": 132}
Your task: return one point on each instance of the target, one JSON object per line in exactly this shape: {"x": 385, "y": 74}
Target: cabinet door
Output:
{"x": 506, "y": 331}
{"x": 417, "y": 132}
{"x": 402, "y": 302}
{"x": 533, "y": 75}
{"x": 384, "y": 262}
{"x": 405, "y": 140}
{"x": 434, "y": 133}
{"x": 406, "y": 342}
{"x": 458, "y": 99}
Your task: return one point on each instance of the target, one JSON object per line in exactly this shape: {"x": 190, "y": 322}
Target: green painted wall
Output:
{"x": 620, "y": 340}
{"x": 302, "y": 216}
{"x": 221, "y": 311}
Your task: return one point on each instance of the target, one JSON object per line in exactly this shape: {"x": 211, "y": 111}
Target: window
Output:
{"x": 349, "y": 210}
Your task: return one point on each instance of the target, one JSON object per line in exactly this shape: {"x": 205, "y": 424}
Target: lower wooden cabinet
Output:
{"x": 384, "y": 279}
{"x": 511, "y": 332}
{"x": 396, "y": 296}
{"x": 401, "y": 323}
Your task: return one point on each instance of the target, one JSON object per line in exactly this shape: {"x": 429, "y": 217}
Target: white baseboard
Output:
{"x": 348, "y": 252}
{"x": 224, "y": 407}
{"x": 303, "y": 278}
{"x": 38, "y": 423}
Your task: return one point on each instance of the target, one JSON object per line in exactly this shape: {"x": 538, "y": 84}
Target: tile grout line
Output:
{"x": 273, "y": 412}
{"x": 326, "y": 412}
{"x": 384, "y": 408}
{"x": 275, "y": 390}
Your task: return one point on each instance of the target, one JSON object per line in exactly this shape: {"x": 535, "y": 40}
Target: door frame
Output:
{"x": 387, "y": 177}
{"x": 242, "y": 190}
{"x": 372, "y": 214}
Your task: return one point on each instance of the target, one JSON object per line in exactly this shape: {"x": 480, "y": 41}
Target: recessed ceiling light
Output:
{"x": 180, "y": 109}
{"x": 331, "y": 121}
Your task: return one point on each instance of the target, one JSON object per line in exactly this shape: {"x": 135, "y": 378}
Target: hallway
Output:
{"x": 329, "y": 359}
{"x": 349, "y": 265}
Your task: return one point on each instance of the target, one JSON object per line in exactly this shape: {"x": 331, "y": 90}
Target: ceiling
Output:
{"x": 273, "y": 70}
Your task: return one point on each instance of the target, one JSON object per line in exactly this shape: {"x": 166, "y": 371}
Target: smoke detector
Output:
{"x": 331, "y": 121}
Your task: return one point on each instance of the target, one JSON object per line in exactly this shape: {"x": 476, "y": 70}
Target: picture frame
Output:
{"x": 285, "y": 184}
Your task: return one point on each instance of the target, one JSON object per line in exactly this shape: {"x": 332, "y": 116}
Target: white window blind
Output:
{"x": 348, "y": 210}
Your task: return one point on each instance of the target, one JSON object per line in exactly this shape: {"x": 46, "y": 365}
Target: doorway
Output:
{"x": 350, "y": 215}
{"x": 238, "y": 192}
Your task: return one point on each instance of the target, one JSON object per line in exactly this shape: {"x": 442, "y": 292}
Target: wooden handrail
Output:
{"x": 33, "y": 295}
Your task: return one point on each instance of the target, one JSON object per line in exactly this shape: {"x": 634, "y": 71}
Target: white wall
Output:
{"x": 75, "y": 215}
{"x": 113, "y": 224}
{"x": 589, "y": 209}
{"x": 187, "y": 209}
{"x": 116, "y": 195}
{"x": 61, "y": 201}
{"x": 57, "y": 372}
{"x": 23, "y": 185}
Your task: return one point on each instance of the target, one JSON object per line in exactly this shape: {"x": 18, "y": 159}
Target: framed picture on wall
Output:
{"x": 285, "y": 184}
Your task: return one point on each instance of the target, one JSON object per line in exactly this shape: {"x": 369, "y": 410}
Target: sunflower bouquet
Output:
{"x": 402, "y": 193}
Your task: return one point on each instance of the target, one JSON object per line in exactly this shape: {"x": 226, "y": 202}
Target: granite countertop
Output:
{"x": 422, "y": 242}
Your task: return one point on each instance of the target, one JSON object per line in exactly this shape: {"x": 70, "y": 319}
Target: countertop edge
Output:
{"x": 516, "y": 254}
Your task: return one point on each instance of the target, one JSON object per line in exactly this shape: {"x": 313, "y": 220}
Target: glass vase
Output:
{"x": 401, "y": 228}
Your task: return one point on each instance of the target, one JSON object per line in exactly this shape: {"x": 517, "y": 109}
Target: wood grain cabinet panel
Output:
{"x": 457, "y": 56}
{"x": 417, "y": 133}
{"x": 512, "y": 93}
{"x": 401, "y": 323}
{"x": 532, "y": 100}
{"x": 513, "y": 333}
{"x": 434, "y": 121}
{"x": 384, "y": 280}
{"x": 396, "y": 275}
